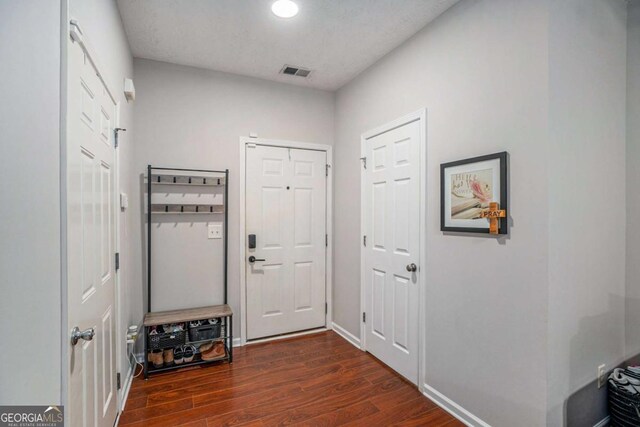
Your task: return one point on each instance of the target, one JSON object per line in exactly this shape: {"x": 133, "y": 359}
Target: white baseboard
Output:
{"x": 453, "y": 408}
{"x": 603, "y": 422}
{"x": 126, "y": 387}
{"x": 347, "y": 335}
{"x": 125, "y": 394}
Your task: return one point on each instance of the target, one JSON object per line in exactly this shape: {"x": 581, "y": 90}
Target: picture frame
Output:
{"x": 466, "y": 189}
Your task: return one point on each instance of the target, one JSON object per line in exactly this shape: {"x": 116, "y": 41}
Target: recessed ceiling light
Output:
{"x": 284, "y": 8}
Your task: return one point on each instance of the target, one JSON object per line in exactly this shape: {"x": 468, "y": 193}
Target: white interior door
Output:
{"x": 90, "y": 244}
{"x": 286, "y": 211}
{"x": 391, "y": 216}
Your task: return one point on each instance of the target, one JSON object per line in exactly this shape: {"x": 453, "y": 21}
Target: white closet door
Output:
{"x": 391, "y": 215}
{"x": 286, "y": 211}
{"x": 91, "y": 244}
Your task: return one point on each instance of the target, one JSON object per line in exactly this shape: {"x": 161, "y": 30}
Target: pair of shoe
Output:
{"x": 183, "y": 354}
{"x": 160, "y": 357}
{"x": 212, "y": 350}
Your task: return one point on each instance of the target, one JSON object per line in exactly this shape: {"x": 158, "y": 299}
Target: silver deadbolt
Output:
{"x": 77, "y": 334}
{"x": 412, "y": 267}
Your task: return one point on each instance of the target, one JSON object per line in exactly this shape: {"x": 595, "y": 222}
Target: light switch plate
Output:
{"x": 214, "y": 231}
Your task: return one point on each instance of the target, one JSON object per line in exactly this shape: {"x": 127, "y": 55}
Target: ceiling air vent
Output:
{"x": 295, "y": 71}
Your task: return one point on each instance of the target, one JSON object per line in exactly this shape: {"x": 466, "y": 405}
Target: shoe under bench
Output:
{"x": 222, "y": 312}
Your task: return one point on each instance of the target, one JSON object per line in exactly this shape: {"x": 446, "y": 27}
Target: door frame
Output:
{"x": 76, "y": 32}
{"x": 328, "y": 149}
{"x": 421, "y": 116}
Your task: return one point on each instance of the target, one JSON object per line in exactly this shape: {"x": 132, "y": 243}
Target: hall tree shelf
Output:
{"x": 180, "y": 181}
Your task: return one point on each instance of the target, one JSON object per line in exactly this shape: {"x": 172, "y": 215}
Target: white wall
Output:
{"x": 189, "y": 117}
{"x": 587, "y": 92}
{"x": 30, "y": 263}
{"x": 481, "y": 70}
{"x": 30, "y": 212}
{"x": 101, "y": 23}
{"x": 633, "y": 178}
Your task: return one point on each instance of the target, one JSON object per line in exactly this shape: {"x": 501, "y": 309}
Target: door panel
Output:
{"x": 401, "y": 292}
{"x": 90, "y": 243}
{"x": 272, "y": 224}
{"x": 271, "y": 291}
{"x": 303, "y": 285}
{"x": 378, "y": 304}
{"x": 105, "y": 197}
{"x": 302, "y": 217}
{"x": 89, "y": 361}
{"x": 108, "y": 366}
{"x": 401, "y": 234}
{"x": 378, "y": 212}
{"x": 391, "y": 212}
{"x": 286, "y": 210}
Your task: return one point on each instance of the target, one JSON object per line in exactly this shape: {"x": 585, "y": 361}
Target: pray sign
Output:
{"x": 494, "y": 214}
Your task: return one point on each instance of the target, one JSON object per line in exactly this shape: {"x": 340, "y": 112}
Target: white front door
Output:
{"x": 90, "y": 244}
{"x": 391, "y": 216}
{"x": 286, "y": 212}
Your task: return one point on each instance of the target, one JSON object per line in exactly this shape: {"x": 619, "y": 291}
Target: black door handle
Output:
{"x": 253, "y": 259}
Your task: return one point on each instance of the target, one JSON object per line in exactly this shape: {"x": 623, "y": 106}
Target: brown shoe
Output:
{"x": 168, "y": 356}
{"x": 215, "y": 352}
{"x": 156, "y": 358}
{"x": 218, "y": 348}
{"x": 205, "y": 347}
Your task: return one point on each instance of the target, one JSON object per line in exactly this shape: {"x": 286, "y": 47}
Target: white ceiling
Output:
{"x": 337, "y": 39}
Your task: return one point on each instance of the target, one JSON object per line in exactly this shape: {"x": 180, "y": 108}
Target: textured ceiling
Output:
{"x": 337, "y": 39}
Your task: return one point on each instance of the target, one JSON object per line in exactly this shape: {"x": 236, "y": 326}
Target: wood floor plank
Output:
{"x": 342, "y": 416}
{"x": 398, "y": 414}
{"x": 319, "y": 381}
{"x": 387, "y": 403}
{"x": 330, "y": 403}
{"x": 312, "y": 380}
{"x": 129, "y": 417}
{"x": 455, "y": 423}
{"x": 199, "y": 423}
{"x": 215, "y": 383}
{"x": 274, "y": 407}
{"x": 428, "y": 416}
{"x": 136, "y": 403}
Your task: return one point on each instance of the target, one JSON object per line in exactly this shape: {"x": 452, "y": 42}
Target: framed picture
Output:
{"x": 466, "y": 189}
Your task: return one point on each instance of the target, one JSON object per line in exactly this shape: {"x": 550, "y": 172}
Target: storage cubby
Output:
{"x": 189, "y": 329}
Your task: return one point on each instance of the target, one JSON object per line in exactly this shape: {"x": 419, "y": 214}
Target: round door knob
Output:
{"x": 77, "y": 334}
{"x": 412, "y": 267}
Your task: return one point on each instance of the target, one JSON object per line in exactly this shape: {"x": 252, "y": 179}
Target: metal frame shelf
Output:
{"x": 188, "y": 177}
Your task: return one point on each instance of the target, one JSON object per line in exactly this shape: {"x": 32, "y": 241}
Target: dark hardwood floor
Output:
{"x": 315, "y": 380}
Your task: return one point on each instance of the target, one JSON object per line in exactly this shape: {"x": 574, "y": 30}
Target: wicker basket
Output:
{"x": 624, "y": 407}
{"x": 205, "y": 332}
{"x": 167, "y": 340}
